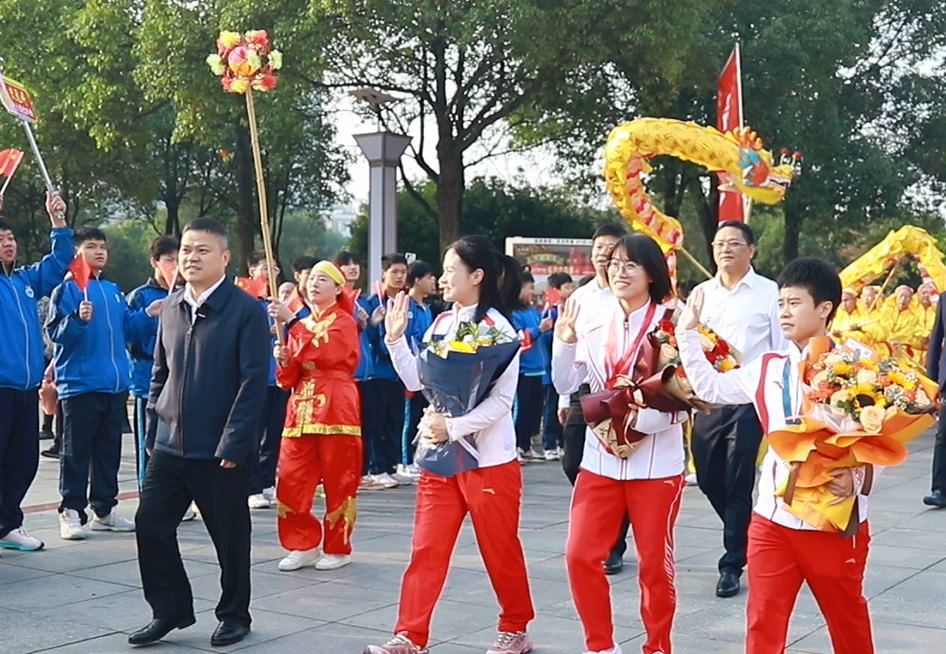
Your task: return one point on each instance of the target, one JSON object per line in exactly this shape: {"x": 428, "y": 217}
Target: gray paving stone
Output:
{"x": 889, "y": 638}
{"x": 53, "y": 591}
{"x": 266, "y": 627}
{"x": 116, "y": 644}
{"x": 330, "y": 601}
{"x": 24, "y": 633}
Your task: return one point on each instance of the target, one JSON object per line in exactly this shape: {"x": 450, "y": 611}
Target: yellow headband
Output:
{"x": 330, "y": 269}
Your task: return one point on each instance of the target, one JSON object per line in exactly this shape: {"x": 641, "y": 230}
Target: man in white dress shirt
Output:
{"x": 742, "y": 307}
{"x": 591, "y": 298}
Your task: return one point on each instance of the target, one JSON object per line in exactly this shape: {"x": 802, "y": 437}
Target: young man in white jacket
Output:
{"x": 784, "y": 550}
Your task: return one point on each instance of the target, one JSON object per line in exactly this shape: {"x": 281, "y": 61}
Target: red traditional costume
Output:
{"x": 322, "y": 437}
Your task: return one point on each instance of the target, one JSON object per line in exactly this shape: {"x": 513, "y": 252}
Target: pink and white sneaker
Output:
{"x": 511, "y": 642}
{"x": 400, "y": 644}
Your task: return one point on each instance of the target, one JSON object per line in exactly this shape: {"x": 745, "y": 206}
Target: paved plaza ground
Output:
{"x": 84, "y": 597}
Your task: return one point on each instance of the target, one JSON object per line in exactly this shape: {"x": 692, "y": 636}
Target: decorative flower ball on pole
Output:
{"x": 247, "y": 62}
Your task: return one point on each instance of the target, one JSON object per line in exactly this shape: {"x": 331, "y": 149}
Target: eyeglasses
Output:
{"x": 728, "y": 245}
{"x": 616, "y": 266}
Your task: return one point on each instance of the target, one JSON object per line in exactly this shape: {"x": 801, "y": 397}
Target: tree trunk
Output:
{"x": 793, "y": 221}
{"x": 247, "y": 224}
{"x": 172, "y": 223}
{"x": 450, "y": 193}
{"x": 709, "y": 213}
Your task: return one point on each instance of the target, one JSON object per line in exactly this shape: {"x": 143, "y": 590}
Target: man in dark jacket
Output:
{"x": 21, "y": 367}
{"x": 208, "y": 383}
{"x": 936, "y": 370}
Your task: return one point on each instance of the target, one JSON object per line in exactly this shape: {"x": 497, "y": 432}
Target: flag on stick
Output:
{"x": 732, "y": 204}
{"x": 169, "y": 272}
{"x": 9, "y": 161}
{"x": 81, "y": 272}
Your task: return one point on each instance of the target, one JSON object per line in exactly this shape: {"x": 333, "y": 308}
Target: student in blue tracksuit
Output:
{"x": 530, "y": 394}
{"x": 383, "y": 390}
{"x": 21, "y": 367}
{"x": 421, "y": 283}
{"x": 553, "y": 439}
{"x": 90, "y": 331}
{"x": 163, "y": 260}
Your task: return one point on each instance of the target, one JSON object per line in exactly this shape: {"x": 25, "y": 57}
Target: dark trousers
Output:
{"x": 528, "y": 412}
{"x": 271, "y": 421}
{"x": 725, "y": 447}
{"x": 19, "y": 453}
{"x": 552, "y": 429}
{"x": 171, "y": 484}
{"x": 939, "y": 455}
{"x": 413, "y": 411}
{"x": 141, "y": 433}
{"x": 382, "y": 421}
{"x": 91, "y": 440}
{"x": 573, "y": 434}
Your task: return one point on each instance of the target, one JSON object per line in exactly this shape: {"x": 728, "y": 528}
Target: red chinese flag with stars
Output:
{"x": 80, "y": 272}
{"x": 732, "y": 205}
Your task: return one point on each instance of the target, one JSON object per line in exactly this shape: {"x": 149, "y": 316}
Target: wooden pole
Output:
{"x": 699, "y": 266}
{"x": 263, "y": 206}
{"x": 883, "y": 288}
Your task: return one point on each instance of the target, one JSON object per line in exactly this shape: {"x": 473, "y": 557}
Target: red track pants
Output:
{"x": 493, "y": 497}
{"x": 598, "y": 506}
{"x": 304, "y": 462}
{"x": 780, "y": 559}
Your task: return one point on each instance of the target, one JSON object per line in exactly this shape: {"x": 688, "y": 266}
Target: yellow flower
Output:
{"x": 726, "y": 365}
{"x": 461, "y": 346}
{"x": 870, "y": 364}
{"x": 239, "y": 85}
{"x": 275, "y": 59}
{"x": 872, "y": 419}
{"x": 898, "y": 378}
{"x": 229, "y": 39}
{"x": 841, "y": 369}
{"x": 215, "y": 62}
{"x": 865, "y": 389}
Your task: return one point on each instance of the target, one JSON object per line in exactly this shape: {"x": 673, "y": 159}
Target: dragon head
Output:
{"x": 760, "y": 175}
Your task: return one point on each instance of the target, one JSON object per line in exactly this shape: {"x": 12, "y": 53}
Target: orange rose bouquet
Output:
{"x": 857, "y": 411}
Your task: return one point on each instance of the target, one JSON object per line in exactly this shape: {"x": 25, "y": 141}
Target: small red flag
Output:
{"x": 81, "y": 272}
{"x": 169, "y": 272}
{"x": 9, "y": 161}
{"x": 256, "y": 286}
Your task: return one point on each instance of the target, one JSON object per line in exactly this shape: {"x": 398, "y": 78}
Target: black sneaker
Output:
{"x": 46, "y": 435}
{"x": 935, "y": 499}
{"x": 51, "y": 453}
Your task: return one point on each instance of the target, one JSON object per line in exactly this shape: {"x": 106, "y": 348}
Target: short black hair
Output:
{"x": 585, "y": 280}
{"x": 559, "y": 279}
{"x": 344, "y": 257}
{"x": 610, "y": 229}
{"x": 5, "y": 226}
{"x": 163, "y": 245}
{"x": 392, "y": 259}
{"x": 418, "y": 270}
{"x": 304, "y": 262}
{"x": 88, "y": 233}
{"x": 816, "y": 276}
{"x": 747, "y": 232}
{"x": 256, "y": 258}
{"x": 644, "y": 250}
{"x": 527, "y": 278}
{"x": 209, "y": 225}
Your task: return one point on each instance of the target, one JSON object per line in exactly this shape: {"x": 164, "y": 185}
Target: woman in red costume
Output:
{"x": 321, "y": 440}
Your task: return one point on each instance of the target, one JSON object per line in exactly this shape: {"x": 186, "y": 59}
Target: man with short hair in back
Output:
{"x": 207, "y": 386}
{"x": 552, "y": 436}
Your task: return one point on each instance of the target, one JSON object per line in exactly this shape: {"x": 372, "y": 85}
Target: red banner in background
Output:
{"x": 732, "y": 204}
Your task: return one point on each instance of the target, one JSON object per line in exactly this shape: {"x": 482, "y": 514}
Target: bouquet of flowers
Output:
{"x": 718, "y": 352}
{"x": 245, "y": 61}
{"x": 457, "y": 375}
{"x": 856, "y": 411}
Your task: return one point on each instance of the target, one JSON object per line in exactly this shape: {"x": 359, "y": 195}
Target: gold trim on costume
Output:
{"x": 282, "y": 510}
{"x": 313, "y": 429}
{"x": 347, "y": 512}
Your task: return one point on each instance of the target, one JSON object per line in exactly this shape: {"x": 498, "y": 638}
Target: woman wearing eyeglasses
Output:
{"x": 646, "y": 479}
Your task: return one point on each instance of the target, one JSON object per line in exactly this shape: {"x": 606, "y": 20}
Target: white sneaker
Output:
{"x": 258, "y": 501}
{"x": 270, "y": 494}
{"x": 551, "y": 455}
{"x": 406, "y": 480}
{"x": 614, "y": 650}
{"x": 70, "y": 526}
{"x": 114, "y": 521}
{"x": 406, "y": 473}
{"x": 561, "y": 452}
{"x": 369, "y": 483}
{"x": 690, "y": 479}
{"x": 414, "y": 470}
{"x": 332, "y": 561}
{"x": 511, "y": 642}
{"x": 299, "y": 558}
{"x": 18, "y": 539}
{"x": 533, "y": 454}
{"x": 189, "y": 515}
{"x": 386, "y": 480}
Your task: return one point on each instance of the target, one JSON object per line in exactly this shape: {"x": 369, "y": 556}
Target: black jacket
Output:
{"x": 935, "y": 363}
{"x": 209, "y": 380}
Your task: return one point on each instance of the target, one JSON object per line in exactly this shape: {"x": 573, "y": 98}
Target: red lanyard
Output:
{"x": 622, "y": 366}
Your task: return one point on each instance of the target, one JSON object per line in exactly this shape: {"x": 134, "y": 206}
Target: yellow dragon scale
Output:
{"x": 745, "y": 166}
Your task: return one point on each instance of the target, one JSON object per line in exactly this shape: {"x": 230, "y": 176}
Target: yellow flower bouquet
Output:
{"x": 857, "y": 411}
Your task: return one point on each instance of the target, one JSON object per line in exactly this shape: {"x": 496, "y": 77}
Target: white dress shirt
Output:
{"x": 746, "y": 316}
{"x": 660, "y": 454}
{"x": 490, "y": 421}
{"x": 195, "y": 304}
{"x": 761, "y": 383}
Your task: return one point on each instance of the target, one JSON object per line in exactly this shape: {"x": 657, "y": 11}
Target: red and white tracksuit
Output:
{"x": 783, "y": 549}
{"x": 647, "y": 486}
{"x": 491, "y": 494}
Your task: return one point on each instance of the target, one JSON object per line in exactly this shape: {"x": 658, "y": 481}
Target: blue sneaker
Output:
{"x": 18, "y": 539}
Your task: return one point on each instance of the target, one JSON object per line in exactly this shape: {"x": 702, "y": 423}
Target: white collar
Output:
{"x": 189, "y": 298}
{"x": 747, "y": 280}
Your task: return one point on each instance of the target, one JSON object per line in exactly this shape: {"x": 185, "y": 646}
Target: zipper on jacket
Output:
{"x": 26, "y": 331}
{"x": 111, "y": 333}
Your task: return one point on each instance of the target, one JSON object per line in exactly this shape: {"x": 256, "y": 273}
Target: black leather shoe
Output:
{"x": 728, "y": 585}
{"x": 228, "y": 633}
{"x": 158, "y": 629}
{"x": 936, "y": 498}
{"x": 613, "y": 564}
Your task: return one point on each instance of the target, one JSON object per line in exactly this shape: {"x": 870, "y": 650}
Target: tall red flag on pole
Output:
{"x": 9, "y": 161}
{"x": 732, "y": 204}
